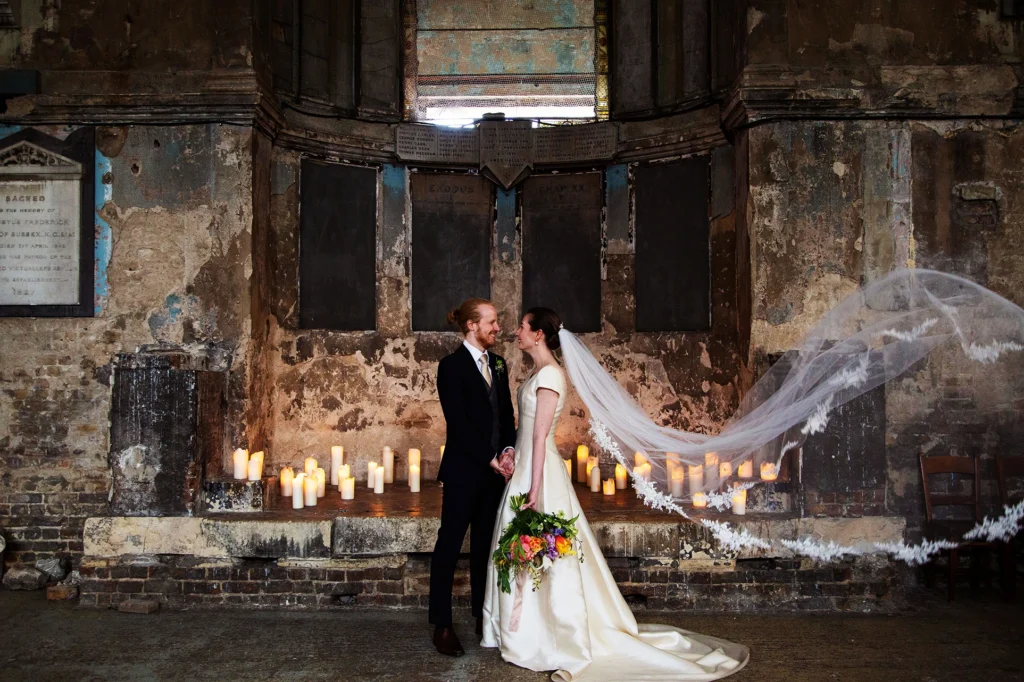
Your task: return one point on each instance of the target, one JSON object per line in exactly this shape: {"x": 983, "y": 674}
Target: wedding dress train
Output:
{"x": 577, "y": 624}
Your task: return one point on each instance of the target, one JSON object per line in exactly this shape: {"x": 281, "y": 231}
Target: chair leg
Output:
{"x": 951, "y": 577}
{"x": 1007, "y": 564}
{"x": 975, "y": 566}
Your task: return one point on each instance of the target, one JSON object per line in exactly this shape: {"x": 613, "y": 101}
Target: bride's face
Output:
{"x": 526, "y": 337}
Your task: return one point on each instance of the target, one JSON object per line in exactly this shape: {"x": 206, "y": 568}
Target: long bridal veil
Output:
{"x": 874, "y": 335}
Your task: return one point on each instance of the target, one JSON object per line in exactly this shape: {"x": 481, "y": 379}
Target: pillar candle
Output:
{"x": 414, "y": 456}
{"x": 739, "y": 502}
{"x": 348, "y": 488}
{"x": 724, "y": 470}
{"x": 710, "y": 458}
{"x": 746, "y": 470}
{"x": 568, "y": 467}
{"x": 337, "y": 457}
{"x": 608, "y": 487}
{"x": 671, "y": 464}
{"x": 620, "y": 477}
{"x": 768, "y": 471}
{"x": 378, "y": 480}
{"x": 371, "y": 476}
{"x": 414, "y": 478}
{"x": 388, "y": 458}
{"x": 321, "y": 481}
{"x": 309, "y": 488}
{"x": 582, "y": 456}
{"x": 696, "y": 478}
{"x": 700, "y": 501}
{"x": 592, "y": 462}
{"x": 287, "y": 476}
{"x": 241, "y": 462}
{"x": 255, "y": 467}
{"x": 639, "y": 459}
{"x": 344, "y": 471}
{"x": 297, "y": 493}
{"x": 310, "y": 466}
{"x": 595, "y": 479}
{"x": 678, "y": 480}
{"x": 711, "y": 475}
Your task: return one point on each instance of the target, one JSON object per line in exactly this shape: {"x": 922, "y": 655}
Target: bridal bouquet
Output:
{"x": 531, "y": 542}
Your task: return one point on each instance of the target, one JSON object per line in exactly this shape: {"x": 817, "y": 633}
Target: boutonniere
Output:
{"x": 499, "y": 365}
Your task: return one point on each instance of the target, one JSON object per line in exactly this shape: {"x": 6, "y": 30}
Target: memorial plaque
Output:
{"x": 457, "y": 146}
{"x": 437, "y": 145}
{"x": 567, "y": 144}
{"x": 416, "y": 143}
{"x": 506, "y": 150}
{"x": 451, "y": 244}
{"x": 562, "y": 247}
{"x": 45, "y": 241}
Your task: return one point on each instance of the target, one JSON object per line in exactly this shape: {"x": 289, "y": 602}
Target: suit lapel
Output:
{"x": 475, "y": 369}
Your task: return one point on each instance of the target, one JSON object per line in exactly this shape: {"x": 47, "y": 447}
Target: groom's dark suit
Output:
{"x": 480, "y": 425}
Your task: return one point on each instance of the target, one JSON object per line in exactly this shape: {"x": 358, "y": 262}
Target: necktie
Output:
{"x": 485, "y": 370}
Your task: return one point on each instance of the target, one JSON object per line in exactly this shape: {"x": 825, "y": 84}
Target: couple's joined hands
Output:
{"x": 505, "y": 464}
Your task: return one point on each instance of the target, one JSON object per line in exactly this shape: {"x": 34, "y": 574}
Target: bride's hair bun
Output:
{"x": 545, "y": 320}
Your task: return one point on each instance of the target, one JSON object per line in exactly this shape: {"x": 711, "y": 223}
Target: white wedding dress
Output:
{"x": 577, "y": 624}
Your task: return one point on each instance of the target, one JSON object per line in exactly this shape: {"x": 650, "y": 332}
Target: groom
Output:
{"x": 472, "y": 384}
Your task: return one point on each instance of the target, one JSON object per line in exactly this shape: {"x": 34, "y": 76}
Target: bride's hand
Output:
{"x": 531, "y": 500}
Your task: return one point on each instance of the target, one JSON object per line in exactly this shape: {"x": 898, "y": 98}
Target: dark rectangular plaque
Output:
{"x": 673, "y": 275}
{"x": 632, "y": 57}
{"x": 337, "y": 247}
{"x": 849, "y": 455}
{"x": 451, "y": 245}
{"x": 562, "y": 247}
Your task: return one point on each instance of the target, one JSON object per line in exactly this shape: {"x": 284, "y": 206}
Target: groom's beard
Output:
{"x": 485, "y": 342}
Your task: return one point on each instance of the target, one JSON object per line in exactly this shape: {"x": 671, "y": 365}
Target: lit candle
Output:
{"x": 710, "y": 458}
{"x": 337, "y": 457}
{"x": 582, "y": 456}
{"x": 769, "y": 472}
{"x": 591, "y": 463}
{"x": 639, "y": 459}
{"x": 297, "y": 494}
{"x": 348, "y": 488}
{"x": 378, "y": 480}
{"x": 608, "y": 487}
{"x": 725, "y": 470}
{"x": 568, "y": 467}
{"x": 310, "y": 484}
{"x": 287, "y": 476}
{"x": 671, "y": 463}
{"x": 711, "y": 469}
{"x": 678, "y": 481}
{"x": 620, "y": 477}
{"x": 310, "y": 466}
{"x": 746, "y": 470}
{"x": 595, "y": 479}
{"x": 241, "y": 460}
{"x": 696, "y": 478}
{"x": 321, "y": 481}
{"x": 739, "y": 502}
{"x": 371, "y": 476}
{"x": 414, "y": 461}
{"x": 256, "y": 466}
{"x": 414, "y": 478}
{"x": 388, "y": 457}
{"x": 644, "y": 471}
{"x": 344, "y": 471}
{"x": 700, "y": 501}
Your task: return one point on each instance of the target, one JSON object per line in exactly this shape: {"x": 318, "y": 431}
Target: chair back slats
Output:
{"x": 947, "y": 464}
{"x": 1008, "y": 467}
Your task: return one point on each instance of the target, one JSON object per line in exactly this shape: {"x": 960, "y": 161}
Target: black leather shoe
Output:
{"x": 447, "y": 642}
{"x": 479, "y": 626}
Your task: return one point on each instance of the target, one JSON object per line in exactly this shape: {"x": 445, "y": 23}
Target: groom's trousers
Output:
{"x": 471, "y": 504}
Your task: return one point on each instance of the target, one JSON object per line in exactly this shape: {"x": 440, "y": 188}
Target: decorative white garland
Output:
{"x": 913, "y": 334}
{"x": 1001, "y": 529}
{"x": 990, "y": 352}
{"x": 818, "y": 550}
{"x": 817, "y": 422}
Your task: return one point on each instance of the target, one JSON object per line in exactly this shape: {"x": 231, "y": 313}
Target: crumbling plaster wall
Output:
{"x": 174, "y": 226}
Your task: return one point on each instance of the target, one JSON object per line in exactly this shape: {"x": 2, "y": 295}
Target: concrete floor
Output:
{"x": 976, "y": 639}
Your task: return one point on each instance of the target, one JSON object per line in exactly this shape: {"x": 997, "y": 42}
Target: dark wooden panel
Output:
{"x": 379, "y": 57}
{"x": 669, "y": 26}
{"x": 337, "y": 247}
{"x": 632, "y": 58}
{"x": 451, "y": 244}
{"x": 672, "y": 246}
{"x": 696, "y": 38}
{"x": 562, "y": 247}
{"x": 849, "y": 455}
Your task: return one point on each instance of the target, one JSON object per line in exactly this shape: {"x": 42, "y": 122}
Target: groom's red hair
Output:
{"x": 468, "y": 312}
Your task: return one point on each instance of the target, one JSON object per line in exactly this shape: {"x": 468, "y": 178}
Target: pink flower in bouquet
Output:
{"x": 524, "y": 542}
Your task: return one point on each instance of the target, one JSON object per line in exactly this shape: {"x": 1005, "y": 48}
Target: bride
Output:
{"x": 577, "y": 623}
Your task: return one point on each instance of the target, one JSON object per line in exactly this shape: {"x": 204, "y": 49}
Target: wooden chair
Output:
{"x": 1008, "y": 467}
{"x": 943, "y": 529}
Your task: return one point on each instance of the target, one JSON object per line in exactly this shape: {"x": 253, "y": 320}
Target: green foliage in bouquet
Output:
{"x": 531, "y": 542}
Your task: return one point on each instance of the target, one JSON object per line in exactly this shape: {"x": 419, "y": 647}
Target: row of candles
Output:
{"x": 712, "y": 471}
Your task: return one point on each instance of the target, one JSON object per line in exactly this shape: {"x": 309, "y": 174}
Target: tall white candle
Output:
{"x": 388, "y": 458}
{"x": 309, "y": 487}
{"x": 310, "y": 466}
{"x": 378, "y": 480}
{"x": 414, "y": 461}
{"x": 711, "y": 475}
{"x": 321, "y": 481}
{"x": 591, "y": 463}
{"x": 595, "y": 479}
{"x": 287, "y": 476}
{"x": 620, "y": 477}
{"x": 344, "y": 471}
{"x": 337, "y": 457}
{"x": 725, "y": 470}
{"x": 297, "y": 494}
{"x": 255, "y": 467}
{"x": 348, "y": 488}
{"x": 371, "y": 475}
{"x": 414, "y": 478}
{"x": 241, "y": 462}
{"x": 582, "y": 455}
{"x": 671, "y": 464}
{"x": 678, "y": 481}
{"x": 696, "y": 478}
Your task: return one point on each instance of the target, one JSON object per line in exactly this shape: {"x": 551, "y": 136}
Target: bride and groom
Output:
{"x": 576, "y": 624}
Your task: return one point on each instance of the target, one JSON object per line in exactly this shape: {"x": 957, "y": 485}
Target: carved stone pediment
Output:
{"x": 25, "y": 158}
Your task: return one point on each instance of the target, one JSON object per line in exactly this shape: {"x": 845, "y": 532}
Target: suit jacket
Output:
{"x": 467, "y": 412}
